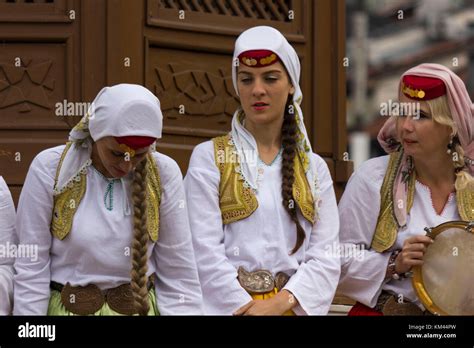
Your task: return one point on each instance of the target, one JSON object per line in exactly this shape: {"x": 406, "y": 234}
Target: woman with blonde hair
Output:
{"x": 262, "y": 207}
{"x": 109, "y": 217}
{"x": 425, "y": 181}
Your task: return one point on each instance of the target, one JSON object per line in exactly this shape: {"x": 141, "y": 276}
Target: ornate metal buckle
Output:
{"x": 257, "y": 282}
{"x": 280, "y": 280}
{"x": 120, "y": 299}
{"x": 82, "y": 300}
{"x": 261, "y": 281}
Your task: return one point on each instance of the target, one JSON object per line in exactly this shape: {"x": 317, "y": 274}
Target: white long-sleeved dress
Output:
{"x": 8, "y": 245}
{"x": 363, "y": 273}
{"x": 264, "y": 240}
{"x": 97, "y": 250}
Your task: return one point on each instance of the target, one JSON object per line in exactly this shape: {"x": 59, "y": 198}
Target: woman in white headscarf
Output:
{"x": 109, "y": 217}
{"x": 7, "y": 242}
{"x": 262, "y": 208}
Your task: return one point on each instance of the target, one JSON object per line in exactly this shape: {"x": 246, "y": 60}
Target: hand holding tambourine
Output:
{"x": 444, "y": 280}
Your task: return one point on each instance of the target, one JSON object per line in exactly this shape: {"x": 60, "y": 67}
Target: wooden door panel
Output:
{"x": 52, "y": 11}
{"x": 195, "y": 89}
{"x": 228, "y": 16}
{"x": 30, "y": 90}
{"x": 16, "y": 156}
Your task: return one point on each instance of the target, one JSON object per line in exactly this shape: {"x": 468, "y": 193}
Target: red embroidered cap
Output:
{"x": 135, "y": 142}
{"x": 258, "y": 58}
{"x": 422, "y": 88}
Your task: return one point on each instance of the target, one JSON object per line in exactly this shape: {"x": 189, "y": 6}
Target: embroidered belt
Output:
{"x": 388, "y": 305}
{"x": 86, "y": 300}
{"x": 261, "y": 281}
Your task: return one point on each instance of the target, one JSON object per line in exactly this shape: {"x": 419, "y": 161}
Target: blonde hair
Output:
{"x": 140, "y": 241}
{"x": 441, "y": 114}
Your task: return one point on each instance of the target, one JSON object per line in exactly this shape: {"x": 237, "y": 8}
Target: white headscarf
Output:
{"x": 268, "y": 38}
{"x": 118, "y": 111}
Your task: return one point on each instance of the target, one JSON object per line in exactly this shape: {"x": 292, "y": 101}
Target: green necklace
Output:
{"x": 109, "y": 191}
{"x": 276, "y": 157}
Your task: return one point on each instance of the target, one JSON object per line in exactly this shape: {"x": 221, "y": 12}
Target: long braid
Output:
{"x": 140, "y": 240}
{"x": 288, "y": 140}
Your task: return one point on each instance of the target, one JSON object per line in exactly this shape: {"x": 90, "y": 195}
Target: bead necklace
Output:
{"x": 109, "y": 190}
{"x": 274, "y": 160}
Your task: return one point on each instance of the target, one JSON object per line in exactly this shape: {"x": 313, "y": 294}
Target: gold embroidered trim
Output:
{"x": 301, "y": 190}
{"x": 387, "y": 226}
{"x": 153, "y": 196}
{"x": 235, "y": 200}
{"x": 66, "y": 203}
{"x": 465, "y": 203}
{"x": 414, "y": 93}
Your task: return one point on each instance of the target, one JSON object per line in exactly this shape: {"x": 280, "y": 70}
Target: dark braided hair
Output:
{"x": 288, "y": 141}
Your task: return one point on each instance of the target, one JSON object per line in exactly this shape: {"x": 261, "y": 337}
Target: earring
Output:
{"x": 450, "y": 146}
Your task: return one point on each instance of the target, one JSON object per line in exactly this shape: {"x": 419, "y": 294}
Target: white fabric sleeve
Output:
{"x": 363, "y": 270}
{"x": 33, "y": 275}
{"x": 177, "y": 286}
{"x": 314, "y": 283}
{"x": 222, "y": 292}
{"x": 7, "y": 239}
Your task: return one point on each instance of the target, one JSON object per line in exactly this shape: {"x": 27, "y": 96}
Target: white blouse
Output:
{"x": 263, "y": 240}
{"x": 98, "y": 247}
{"x": 7, "y": 245}
{"x": 363, "y": 273}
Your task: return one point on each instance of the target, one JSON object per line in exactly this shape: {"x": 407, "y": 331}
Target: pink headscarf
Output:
{"x": 462, "y": 111}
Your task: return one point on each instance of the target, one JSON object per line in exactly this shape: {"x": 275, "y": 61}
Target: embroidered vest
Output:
{"x": 387, "y": 227}
{"x": 237, "y": 201}
{"x": 68, "y": 200}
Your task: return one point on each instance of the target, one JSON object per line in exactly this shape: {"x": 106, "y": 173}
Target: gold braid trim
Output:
{"x": 465, "y": 203}
{"x": 153, "y": 196}
{"x": 302, "y": 191}
{"x": 387, "y": 226}
{"x": 67, "y": 202}
{"x": 236, "y": 201}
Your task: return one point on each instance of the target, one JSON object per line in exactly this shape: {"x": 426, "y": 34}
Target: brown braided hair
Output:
{"x": 288, "y": 142}
{"x": 140, "y": 240}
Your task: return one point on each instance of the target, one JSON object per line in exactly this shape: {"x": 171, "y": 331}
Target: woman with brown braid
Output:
{"x": 109, "y": 217}
{"x": 262, "y": 207}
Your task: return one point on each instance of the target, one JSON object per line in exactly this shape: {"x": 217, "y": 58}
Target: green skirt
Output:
{"x": 56, "y": 307}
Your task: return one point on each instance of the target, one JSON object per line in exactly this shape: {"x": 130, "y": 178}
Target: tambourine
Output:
{"x": 445, "y": 281}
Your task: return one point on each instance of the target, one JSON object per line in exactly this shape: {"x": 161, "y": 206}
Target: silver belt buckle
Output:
{"x": 261, "y": 281}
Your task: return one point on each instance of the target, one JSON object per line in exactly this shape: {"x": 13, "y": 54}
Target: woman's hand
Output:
{"x": 412, "y": 253}
{"x": 277, "y": 305}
